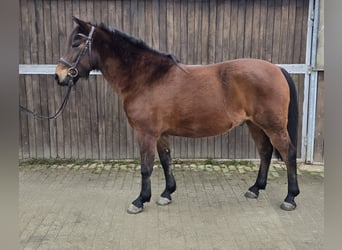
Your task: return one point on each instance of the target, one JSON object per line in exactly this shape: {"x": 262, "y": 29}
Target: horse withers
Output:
{"x": 162, "y": 97}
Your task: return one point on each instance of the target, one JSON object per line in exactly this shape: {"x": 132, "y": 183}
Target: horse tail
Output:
{"x": 292, "y": 124}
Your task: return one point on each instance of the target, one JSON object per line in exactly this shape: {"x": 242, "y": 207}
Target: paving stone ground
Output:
{"x": 74, "y": 206}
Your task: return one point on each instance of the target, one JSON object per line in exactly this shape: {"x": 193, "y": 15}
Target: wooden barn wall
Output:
{"x": 94, "y": 126}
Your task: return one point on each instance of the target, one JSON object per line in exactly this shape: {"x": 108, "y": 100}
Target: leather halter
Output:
{"x": 72, "y": 70}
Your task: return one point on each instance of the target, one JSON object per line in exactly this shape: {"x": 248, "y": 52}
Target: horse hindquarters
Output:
{"x": 283, "y": 137}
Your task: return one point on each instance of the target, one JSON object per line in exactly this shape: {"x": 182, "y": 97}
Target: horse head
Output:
{"x": 78, "y": 56}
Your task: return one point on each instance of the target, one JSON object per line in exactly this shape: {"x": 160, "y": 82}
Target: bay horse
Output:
{"x": 163, "y": 97}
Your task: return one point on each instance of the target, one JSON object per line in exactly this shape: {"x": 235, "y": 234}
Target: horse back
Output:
{"x": 242, "y": 87}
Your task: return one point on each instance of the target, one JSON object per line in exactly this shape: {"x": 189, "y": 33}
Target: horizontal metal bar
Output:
{"x": 49, "y": 69}
{"x": 43, "y": 69}
{"x": 317, "y": 69}
{"x": 295, "y": 68}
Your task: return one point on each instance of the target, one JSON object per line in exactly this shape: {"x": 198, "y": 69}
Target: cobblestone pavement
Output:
{"x": 84, "y": 207}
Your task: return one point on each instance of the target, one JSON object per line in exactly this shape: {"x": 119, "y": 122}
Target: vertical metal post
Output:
{"x": 313, "y": 88}
{"x": 307, "y": 80}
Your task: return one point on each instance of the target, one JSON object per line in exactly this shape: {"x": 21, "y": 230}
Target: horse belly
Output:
{"x": 202, "y": 126}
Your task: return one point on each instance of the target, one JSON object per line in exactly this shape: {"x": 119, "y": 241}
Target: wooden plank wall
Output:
{"x": 198, "y": 32}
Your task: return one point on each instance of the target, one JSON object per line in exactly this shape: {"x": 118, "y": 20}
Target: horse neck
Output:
{"x": 128, "y": 78}
{"x": 110, "y": 69}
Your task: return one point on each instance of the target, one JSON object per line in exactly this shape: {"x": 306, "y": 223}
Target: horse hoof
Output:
{"x": 250, "y": 195}
{"x": 288, "y": 206}
{"x": 163, "y": 201}
{"x": 134, "y": 210}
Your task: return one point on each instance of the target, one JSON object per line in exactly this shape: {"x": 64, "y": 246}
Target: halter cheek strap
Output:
{"x": 72, "y": 67}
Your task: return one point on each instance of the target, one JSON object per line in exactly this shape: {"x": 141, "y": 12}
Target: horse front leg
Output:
{"x": 147, "y": 145}
{"x": 164, "y": 153}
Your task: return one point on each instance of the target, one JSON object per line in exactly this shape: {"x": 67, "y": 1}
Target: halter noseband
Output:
{"x": 72, "y": 70}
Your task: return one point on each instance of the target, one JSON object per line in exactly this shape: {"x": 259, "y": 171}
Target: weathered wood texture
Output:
{"x": 197, "y": 32}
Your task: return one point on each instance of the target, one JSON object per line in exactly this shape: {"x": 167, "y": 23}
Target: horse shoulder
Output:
{"x": 141, "y": 112}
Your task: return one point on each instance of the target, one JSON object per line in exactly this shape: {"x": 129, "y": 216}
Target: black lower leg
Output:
{"x": 291, "y": 164}
{"x": 145, "y": 194}
{"x": 265, "y": 160}
{"x": 147, "y": 160}
{"x": 165, "y": 160}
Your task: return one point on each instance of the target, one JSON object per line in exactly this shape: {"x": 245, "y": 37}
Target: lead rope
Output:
{"x": 58, "y": 112}
{"x": 73, "y": 72}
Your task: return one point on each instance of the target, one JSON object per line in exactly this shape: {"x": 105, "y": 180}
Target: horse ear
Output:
{"x": 84, "y": 26}
{"x": 76, "y": 20}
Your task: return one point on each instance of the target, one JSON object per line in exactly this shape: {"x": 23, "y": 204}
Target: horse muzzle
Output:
{"x": 66, "y": 81}
{"x": 66, "y": 76}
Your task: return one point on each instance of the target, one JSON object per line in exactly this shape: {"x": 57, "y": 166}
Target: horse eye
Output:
{"x": 76, "y": 43}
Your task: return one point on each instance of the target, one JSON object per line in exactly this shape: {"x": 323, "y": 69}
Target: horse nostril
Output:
{"x": 56, "y": 77}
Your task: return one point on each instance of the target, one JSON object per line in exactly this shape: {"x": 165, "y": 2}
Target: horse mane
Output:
{"x": 132, "y": 44}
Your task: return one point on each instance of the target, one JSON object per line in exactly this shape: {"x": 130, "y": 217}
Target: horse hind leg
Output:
{"x": 265, "y": 150}
{"x": 163, "y": 148}
{"x": 282, "y": 142}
